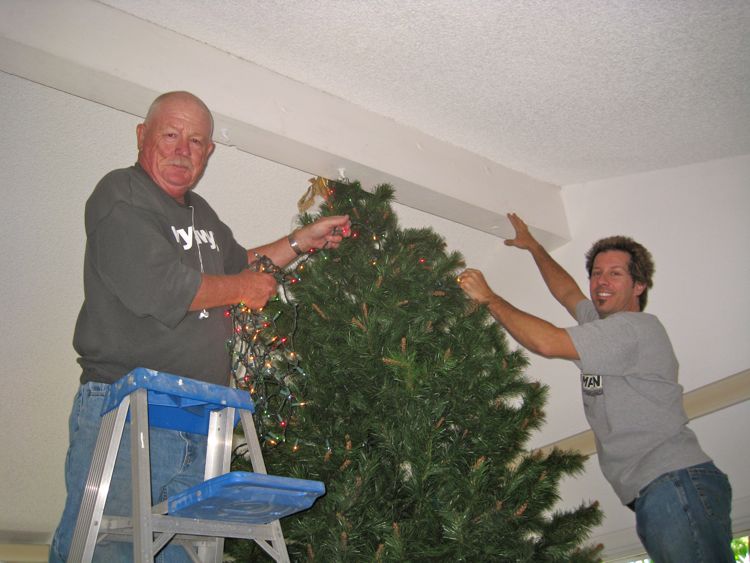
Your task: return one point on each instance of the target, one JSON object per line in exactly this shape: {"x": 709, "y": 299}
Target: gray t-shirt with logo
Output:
{"x": 632, "y": 399}
{"x": 142, "y": 268}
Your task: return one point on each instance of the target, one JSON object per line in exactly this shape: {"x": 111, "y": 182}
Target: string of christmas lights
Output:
{"x": 264, "y": 362}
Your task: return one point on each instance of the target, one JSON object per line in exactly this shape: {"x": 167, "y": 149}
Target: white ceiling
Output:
{"x": 565, "y": 92}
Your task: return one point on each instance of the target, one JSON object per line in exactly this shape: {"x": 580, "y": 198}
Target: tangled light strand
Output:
{"x": 264, "y": 363}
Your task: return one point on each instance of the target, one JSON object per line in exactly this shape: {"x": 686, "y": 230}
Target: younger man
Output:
{"x": 630, "y": 395}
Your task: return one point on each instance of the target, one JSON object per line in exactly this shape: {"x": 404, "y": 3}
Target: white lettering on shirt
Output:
{"x": 203, "y": 237}
{"x": 185, "y": 237}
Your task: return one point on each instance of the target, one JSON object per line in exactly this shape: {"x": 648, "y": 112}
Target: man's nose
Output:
{"x": 183, "y": 147}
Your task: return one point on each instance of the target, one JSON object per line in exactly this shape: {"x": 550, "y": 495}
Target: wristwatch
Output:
{"x": 294, "y": 244}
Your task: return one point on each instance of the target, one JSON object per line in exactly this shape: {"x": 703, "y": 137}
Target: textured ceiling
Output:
{"x": 565, "y": 91}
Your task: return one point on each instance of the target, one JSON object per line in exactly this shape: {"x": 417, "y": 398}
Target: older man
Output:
{"x": 630, "y": 395}
{"x": 159, "y": 269}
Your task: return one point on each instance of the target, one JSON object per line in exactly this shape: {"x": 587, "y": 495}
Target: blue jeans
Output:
{"x": 684, "y": 516}
{"x": 178, "y": 461}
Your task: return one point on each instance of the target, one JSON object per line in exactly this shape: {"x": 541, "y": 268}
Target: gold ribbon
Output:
{"x": 318, "y": 187}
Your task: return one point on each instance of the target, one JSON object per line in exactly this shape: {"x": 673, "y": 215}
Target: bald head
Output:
{"x": 174, "y": 142}
{"x": 183, "y": 96}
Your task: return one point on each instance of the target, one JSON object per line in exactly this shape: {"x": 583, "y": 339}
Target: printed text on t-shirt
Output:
{"x": 185, "y": 237}
{"x": 592, "y": 384}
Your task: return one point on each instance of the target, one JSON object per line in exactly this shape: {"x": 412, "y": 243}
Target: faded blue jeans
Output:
{"x": 684, "y": 516}
{"x": 178, "y": 460}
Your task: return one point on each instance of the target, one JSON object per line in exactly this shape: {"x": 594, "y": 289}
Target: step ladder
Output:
{"x": 227, "y": 504}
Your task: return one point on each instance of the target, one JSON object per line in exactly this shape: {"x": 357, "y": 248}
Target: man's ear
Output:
{"x": 139, "y": 134}
{"x": 638, "y": 288}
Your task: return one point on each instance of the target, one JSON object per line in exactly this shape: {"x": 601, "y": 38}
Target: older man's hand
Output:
{"x": 326, "y": 232}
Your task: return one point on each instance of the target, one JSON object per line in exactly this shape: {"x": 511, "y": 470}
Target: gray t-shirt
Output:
{"x": 142, "y": 269}
{"x": 632, "y": 399}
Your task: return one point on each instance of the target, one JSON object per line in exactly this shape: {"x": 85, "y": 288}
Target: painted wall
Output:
{"x": 55, "y": 147}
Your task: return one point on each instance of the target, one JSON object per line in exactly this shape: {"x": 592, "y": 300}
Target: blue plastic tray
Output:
{"x": 243, "y": 497}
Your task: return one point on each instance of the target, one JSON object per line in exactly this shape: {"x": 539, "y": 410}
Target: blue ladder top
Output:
{"x": 180, "y": 403}
{"x": 248, "y": 498}
{"x": 176, "y": 402}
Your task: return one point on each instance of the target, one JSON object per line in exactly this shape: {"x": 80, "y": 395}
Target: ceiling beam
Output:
{"x": 104, "y": 55}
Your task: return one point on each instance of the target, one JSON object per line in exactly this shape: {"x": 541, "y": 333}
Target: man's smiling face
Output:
{"x": 611, "y": 286}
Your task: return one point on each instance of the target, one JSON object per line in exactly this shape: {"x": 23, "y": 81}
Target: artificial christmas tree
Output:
{"x": 417, "y": 409}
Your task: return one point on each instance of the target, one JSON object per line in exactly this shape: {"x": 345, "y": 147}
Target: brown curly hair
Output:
{"x": 640, "y": 267}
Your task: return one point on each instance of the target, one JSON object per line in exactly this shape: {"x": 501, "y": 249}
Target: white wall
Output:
{"x": 55, "y": 147}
